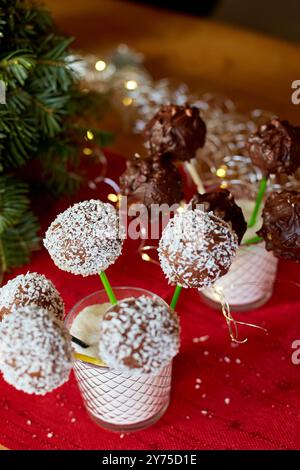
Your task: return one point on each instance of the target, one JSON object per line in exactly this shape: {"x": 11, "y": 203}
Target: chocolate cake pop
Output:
{"x": 86, "y": 238}
{"x": 275, "y": 147}
{"x": 176, "y": 130}
{"x": 150, "y": 181}
{"x": 35, "y": 353}
{"x": 281, "y": 224}
{"x": 222, "y": 204}
{"x": 196, "y": 248}
{"x": 31, "y": 289}
{"x": 139, "y": 335}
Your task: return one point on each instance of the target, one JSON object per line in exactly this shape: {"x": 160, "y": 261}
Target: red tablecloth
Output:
{"x": 224, "y": 397}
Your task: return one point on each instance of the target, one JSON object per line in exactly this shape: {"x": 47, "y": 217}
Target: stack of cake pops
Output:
{"x": 136, "y": 333}
{"x": 35, "y": 351}
{"x": 140, "y": 335}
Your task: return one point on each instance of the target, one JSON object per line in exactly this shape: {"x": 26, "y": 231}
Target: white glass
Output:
{"x": 249, "y": 282}
{"x": 116, "y": 400}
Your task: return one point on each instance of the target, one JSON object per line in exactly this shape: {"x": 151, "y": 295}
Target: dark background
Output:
{"x": 279, "y": 18}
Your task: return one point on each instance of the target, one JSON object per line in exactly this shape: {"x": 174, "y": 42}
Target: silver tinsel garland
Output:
{"x": 137, "y": 97}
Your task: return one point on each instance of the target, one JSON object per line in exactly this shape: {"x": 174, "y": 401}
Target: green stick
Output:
{"x": 108, "y": 288}
{"x": 175, "y": 297}
{"x": 259, "y": 198}
{"x": 252, "y": 240}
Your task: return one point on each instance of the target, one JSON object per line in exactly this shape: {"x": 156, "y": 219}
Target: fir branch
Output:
{"x": 14, "y": 201}
{"x": 18, "y": 242}
{"x": 44, "y": 104}
{"x": 15, "y": 67}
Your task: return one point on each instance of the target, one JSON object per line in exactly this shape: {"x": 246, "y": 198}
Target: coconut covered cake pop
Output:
{"x": 281, "y": 224}
{"x": 35, "y": 352}
{"x": 31, "y": 289}
{"x": 223, "y": 205}
{"x": 177, "y": 131}
{"x": 86, "y": 238}
{"x": 139, "y": 335}
{"x": 196, "y": 248}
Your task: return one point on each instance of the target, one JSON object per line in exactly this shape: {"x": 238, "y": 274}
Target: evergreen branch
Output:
{"x": 38, "y": 122}
{"x": 17, "y": 66}
{"x": 14, "y": 201}
{"x": 18, "y": 242}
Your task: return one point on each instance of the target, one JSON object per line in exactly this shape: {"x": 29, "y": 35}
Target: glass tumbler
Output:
{"x": 116, "y": 400}
{"x": 250, "y": 280}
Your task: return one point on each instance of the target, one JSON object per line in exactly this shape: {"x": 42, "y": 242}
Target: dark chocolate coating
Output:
{"x": 152, "y": 180}
{"x": 176, "y": 130}
{"x": 281, "y": 224}
{"x": 222, "y": 204}
{"x": 275, "y": 147}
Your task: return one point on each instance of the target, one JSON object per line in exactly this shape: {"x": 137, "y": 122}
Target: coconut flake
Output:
{"x": 31, "y": 289}
{"x": 139, "y": 335}
{"x": 86, "y": 238}
{"x": 196, "y": 248}
{"x": 35, "y": 351}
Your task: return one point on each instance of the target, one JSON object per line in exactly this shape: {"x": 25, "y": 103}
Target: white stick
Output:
{"x": 191, "y": 169}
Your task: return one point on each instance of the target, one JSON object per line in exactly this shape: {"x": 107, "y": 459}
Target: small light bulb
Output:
{"x": 89, "y": 135}
{"x": 221, "y": 172}
{"x": 112, "y": 197}
{"x": 87, "y": 151}
{"x": 100, "y": 65}
{"x": 131, "y": 85}
{"x": 145, "y": 257}
{"x": 127, "y": 101}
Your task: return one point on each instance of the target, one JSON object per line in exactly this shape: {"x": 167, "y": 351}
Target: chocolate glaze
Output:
{"x": 222, "y": 204}
{"x": 281, "y": 224}
{"x": 275, "y": 147}
{"x": 176, "y": 130}
{"x": 153, "y": 180}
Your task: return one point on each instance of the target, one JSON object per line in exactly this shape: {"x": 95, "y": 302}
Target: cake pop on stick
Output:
{"x": 35, "y": 351}
{"x": 275, "y": 149}
{"x": 177, "y": 131}
{"x": 221, "y": 202}
{"x": 196, "y": 248}
{"x": 86, "y": 239}
{"x": 30, "y": 289}
{"x": 281, "y": 224}
{"x": 151, "y": 180}
{"x": 139, "y": 335}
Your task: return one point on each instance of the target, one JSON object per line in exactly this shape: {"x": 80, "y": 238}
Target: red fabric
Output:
{"x": 260, "y": 381}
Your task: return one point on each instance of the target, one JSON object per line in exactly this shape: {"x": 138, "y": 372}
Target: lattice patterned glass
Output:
{"x": 115, "y": 400}
{"x": 249, "y": 282}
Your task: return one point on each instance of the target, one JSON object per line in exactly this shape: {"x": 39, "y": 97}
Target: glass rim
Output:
{"x": 115, "y": 288}
{"x": 103, "y": 291}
